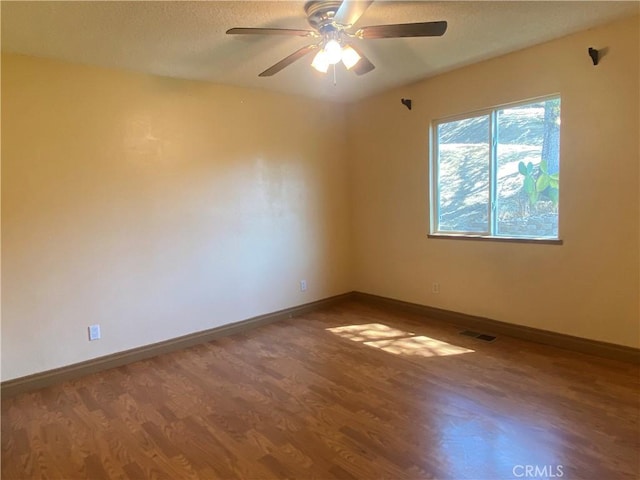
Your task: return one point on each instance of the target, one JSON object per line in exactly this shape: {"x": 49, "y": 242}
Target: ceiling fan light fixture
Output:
{"x": 321, "y": 62}
{"x": 333, "y": 51}
{"x": 350, "y": 57}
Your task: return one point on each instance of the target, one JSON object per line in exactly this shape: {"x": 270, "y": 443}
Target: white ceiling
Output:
{"x": 187, "y": 39}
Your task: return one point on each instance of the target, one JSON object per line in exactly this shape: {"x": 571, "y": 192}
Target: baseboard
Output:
{"x": 43, "y": 379}
{"x": 495, "y": 327}
{"x": 592, "y": 347}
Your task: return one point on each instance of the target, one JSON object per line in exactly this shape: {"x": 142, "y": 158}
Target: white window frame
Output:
{"x": 434, "y": 164}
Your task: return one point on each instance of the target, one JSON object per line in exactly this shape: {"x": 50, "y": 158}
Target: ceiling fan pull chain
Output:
{"x": 335, "y": 83}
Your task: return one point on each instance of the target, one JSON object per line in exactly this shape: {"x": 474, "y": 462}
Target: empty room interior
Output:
{"x": 325, "y": 239}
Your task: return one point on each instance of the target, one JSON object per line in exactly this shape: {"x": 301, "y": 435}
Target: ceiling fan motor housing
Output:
{"x": 320, "y": 14}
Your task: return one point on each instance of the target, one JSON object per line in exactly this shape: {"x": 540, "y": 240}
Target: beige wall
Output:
{"x": 587, "y": 287}
{"x": 158, "y": 207}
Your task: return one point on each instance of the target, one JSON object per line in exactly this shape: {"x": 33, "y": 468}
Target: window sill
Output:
{"x": 453, "y": 236}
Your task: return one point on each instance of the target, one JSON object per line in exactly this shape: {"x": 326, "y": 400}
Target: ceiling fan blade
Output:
{"x": 285, "y": 62}
{"x": 350, "y": 11}
{"x": 364, "y": 65}
{"x": 271, "y": 31}
{"x": 424, "y": 29}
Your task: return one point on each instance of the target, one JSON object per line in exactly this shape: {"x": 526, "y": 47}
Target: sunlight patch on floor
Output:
{"x": 368, "y": 331}
{"x": 398, "y": 342}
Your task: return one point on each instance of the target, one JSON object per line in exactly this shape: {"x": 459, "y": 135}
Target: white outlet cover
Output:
{"x": 94, "y": 332}
{"x": 303, "y": 285}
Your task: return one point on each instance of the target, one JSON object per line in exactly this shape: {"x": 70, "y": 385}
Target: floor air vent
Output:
{"x": 469, "y": 333}
{"x": 479, "y": 336}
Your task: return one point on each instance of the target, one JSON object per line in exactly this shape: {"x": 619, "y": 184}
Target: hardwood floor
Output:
{"x": 352, "y": 391}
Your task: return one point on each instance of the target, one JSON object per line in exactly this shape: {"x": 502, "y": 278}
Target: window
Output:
{"x": 496, "y": 173}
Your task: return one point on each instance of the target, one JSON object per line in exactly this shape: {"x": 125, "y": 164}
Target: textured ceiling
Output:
{"x": 187, "y": 39}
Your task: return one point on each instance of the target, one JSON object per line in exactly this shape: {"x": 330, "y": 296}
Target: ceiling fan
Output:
{"x": 332, "y": 22}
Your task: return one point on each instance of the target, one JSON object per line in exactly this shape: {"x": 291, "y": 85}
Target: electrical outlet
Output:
{"x": 303, "y": 285}
{"x": 94, "y": 332}
{"x": 435, "y": 287}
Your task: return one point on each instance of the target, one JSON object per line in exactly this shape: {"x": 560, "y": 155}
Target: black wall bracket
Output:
{"x": 406, "y": 102}
{"x": 595, "y": 55}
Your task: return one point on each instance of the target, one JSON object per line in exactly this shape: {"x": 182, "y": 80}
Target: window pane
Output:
{"x": 463, "y": 175}
{"x": 528, "y": 166}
